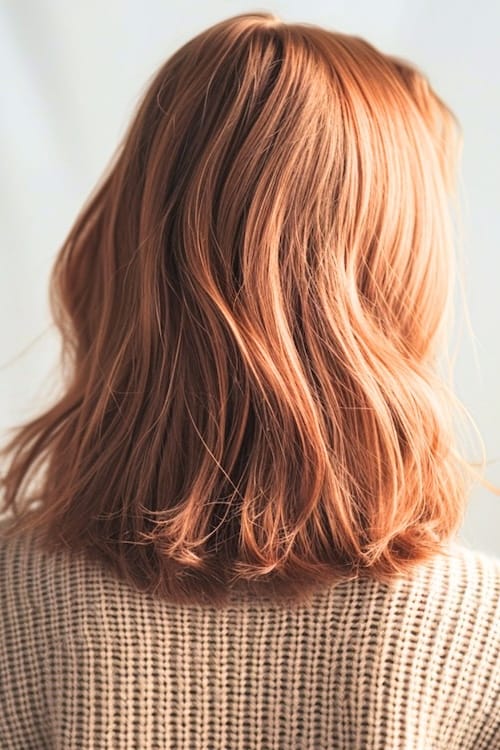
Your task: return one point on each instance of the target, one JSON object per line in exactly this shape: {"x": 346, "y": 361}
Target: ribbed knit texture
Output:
{"x": 87, "y": 662}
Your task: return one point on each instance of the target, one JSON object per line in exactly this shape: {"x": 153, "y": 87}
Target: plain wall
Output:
{"x": 72, "y": 74}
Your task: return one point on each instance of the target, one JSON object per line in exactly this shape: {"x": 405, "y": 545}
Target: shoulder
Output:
{"x": 451, "y": 627}
{"x": 467, "y": 578}
{"x": 457, "y": 577}
{"x": 426, "y": 647}
{"x": 458, "y": 594}
{"x": 31, "y": 577}
{"x": 21, "y": 555}
{"x": 469, "y": 572}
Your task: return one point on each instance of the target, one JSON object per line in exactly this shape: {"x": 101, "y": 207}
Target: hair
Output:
{"x": 252, "y": 305}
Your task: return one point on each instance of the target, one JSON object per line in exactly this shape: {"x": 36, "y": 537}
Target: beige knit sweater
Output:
{"x": 87, "y": 663}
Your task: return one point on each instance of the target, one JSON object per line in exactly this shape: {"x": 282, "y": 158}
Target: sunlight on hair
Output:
{"x": 253, "y": 304}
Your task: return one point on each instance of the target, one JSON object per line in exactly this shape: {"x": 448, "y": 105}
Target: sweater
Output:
{"x": 88, "y": 663}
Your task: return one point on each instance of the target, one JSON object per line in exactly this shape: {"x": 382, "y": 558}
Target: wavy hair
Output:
{"x": 252, "y": 306}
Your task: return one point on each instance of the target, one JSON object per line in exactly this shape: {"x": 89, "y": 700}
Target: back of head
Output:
{"x": 251, "y": 304}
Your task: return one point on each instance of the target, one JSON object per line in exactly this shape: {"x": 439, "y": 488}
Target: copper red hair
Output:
{"x": 252, "y": 305}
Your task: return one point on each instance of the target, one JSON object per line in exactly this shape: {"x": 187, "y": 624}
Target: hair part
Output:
{"x": 251, "y": 305}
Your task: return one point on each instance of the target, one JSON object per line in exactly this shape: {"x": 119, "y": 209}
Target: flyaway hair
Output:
{"x": 252, "y": 304}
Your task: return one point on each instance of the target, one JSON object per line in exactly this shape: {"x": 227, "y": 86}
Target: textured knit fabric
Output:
{"x": 88, "y": 663}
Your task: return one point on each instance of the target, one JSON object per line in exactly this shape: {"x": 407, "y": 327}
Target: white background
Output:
{"x": 72, "y": 73}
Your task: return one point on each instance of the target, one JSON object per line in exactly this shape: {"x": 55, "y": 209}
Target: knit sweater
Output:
{"x": 88, "y": 663}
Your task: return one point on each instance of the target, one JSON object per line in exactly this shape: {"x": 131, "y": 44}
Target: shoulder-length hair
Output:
{"x": 252, "y": 305}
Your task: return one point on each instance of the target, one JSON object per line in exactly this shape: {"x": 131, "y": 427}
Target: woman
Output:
{"x": 244, "y": 533}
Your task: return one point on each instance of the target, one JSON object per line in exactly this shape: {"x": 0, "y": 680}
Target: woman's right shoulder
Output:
{"x": 461, "y": 581}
